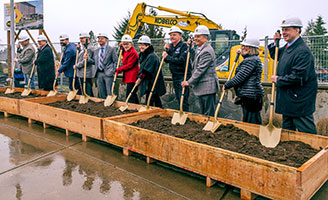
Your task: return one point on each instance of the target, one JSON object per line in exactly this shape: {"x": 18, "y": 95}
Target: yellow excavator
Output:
{"x": 188, "y": 21}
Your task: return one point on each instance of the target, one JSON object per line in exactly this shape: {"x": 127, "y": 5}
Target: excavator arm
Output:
{"x": 187, "y": 21}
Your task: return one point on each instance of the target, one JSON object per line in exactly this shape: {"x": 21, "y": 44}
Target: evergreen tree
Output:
{"x": 317, "y": 42}
{"x": 121, "y": 27}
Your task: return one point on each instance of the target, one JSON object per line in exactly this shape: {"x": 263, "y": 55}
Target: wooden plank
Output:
{"x": 312, "y": 175}
{"x": 256, "y": 176}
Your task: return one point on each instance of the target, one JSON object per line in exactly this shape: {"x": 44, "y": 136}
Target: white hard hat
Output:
{"x": 175, "y": 29}
{"x": 23, "y": 38}
{"x": 126, "y": 38}
{"x": 201, "y": 30}
{"x": 84, "y": 35}
{"x": 42, "y": 38}
{"x": 251, "y": 42}
{"x": 144, "y": 40}
{"x": 292, "y": 22}
{"x": 102, "y": 35}
{"x": 63, "y": 37}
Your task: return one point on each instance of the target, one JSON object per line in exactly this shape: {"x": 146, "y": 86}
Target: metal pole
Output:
{"x": 12, "y": 34}
{"x": 266, "y": 63}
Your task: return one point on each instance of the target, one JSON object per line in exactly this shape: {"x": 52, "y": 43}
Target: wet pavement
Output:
{"x": 37, "y": 163}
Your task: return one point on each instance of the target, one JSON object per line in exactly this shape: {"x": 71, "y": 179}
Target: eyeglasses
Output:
{"x": 125, "y": 44}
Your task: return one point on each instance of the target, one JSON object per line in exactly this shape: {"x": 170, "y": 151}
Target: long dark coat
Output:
{"x": 45, "y": 68}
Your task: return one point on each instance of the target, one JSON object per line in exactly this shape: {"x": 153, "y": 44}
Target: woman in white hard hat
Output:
{"x": 149, "y": 65}
{"x": 247, "y": 82}
{"x": 130, "y": 67}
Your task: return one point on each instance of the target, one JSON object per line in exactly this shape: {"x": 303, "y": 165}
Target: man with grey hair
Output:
{"x": 25, "y": 59}
{"x": 105, "y": 60}
{"x": 296, "y": 79}
{"x": 204, "y": 80}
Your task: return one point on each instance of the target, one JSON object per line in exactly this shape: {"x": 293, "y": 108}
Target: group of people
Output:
{"x": 295, "y": 79}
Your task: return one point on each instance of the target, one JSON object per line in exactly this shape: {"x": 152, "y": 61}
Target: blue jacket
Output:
{"x": 68, "y": 60}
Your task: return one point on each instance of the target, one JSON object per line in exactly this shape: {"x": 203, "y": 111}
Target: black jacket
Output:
{"x": 247, "y": 79}
{"x": 149, "y": 65}
{"x": 177, "y": 57}
{"x": 45, "y": 67}
{"x": 297, "y": 81}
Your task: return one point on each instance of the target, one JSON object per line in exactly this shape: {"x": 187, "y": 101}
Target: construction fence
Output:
{"x": 317, "y": 44}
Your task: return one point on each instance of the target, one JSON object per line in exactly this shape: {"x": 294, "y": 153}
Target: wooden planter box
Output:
{"x": 11, "y": 105}
{"x": 87, "y": 125}
{"x": 252, "y": 175}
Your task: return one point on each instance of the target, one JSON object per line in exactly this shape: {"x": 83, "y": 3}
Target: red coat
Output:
{"x": 130, "y": 66}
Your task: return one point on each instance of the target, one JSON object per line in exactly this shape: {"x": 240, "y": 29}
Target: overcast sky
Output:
{"x": 261, "y": 17}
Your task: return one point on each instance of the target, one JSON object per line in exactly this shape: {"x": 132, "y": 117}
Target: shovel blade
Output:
{"x": 269, "y": 136}
{"x": 124, "y": 107}
{"x": 143, "y": 108}
{"x": 9, "y": 91}
{"x": 212, "y": 126}
{"x": 83, "y": 99}
{"x": 52, "y": 93}
{"x": 26, "y": 92}
{"x": 179, "y": 118}
{"x": 110, "y": 100}
{"x": 71, "y": 95}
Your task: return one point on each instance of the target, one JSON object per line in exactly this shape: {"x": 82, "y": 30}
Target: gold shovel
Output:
{"x": 28, "y": 90}
{"x": 144, "y": 108}
{"x": 214, "y": 125}
{"x": 11, "y": 89}
{"x": 111, "y": 98}
{"x": 84, "y": 98}
{"x": 181, "y": 117}
{"x": 270, "y": 135}
{"x": 53, "y": 92}
{"x": 72, "y": 93}
{"x": 126, "y": 105}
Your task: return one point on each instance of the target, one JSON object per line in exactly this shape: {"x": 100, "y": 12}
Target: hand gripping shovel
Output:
{"x": 181, "y": 117}
{"x": 53, "y": 92}
{"x": 213, "y": 125}
{"x": 84, "y": 98}
{"x": 111, "y": 98}
{"x": 11, "y": 89}
{"x": 28, "y": 90}
{"x": 270, "y": 135}
{"x": 144, "y": 108}
{"x": 124, "y": 107}
{"x": 73, "y": 92}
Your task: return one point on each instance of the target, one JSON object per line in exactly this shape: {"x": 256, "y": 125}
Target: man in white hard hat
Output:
{"x": 45, "y": 64}
{"x": 86, "y": 51}
{"x": 176, "y": 55}
{"x": 296, "y": 79}
{"x": 105, "y": 59}
{"x": 204, "y": 80}
{"x": 68, "y": 60}
{"x": 247, "y": 81}
{"x": 25, "y": 59}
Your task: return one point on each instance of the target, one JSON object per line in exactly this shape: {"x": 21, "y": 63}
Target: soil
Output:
{"x": 91, "y": 108}
{"x": 18, "y": 95}
{"x": 229, "y": 137}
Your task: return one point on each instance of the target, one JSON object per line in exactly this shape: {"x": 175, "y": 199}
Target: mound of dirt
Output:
{"x": 229, "y": 137}
{"x": 91, "y": 108}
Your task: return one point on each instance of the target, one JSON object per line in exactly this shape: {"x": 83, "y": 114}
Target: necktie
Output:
{"x": 101, "y": 59}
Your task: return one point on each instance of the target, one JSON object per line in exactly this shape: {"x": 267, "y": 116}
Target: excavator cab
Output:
{"x": 222, "y": 41}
